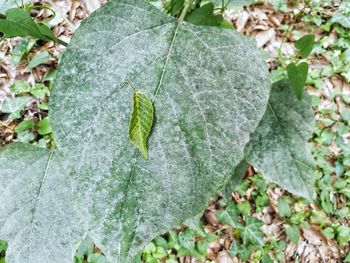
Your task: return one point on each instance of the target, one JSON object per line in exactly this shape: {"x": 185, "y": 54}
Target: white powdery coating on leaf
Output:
{"x": 279, "y": 148}
{"x": 35, "y": 212}
{"x": 210, "y": 89}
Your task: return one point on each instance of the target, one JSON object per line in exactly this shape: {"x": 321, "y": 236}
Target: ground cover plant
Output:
{"x": 143, "y": 204}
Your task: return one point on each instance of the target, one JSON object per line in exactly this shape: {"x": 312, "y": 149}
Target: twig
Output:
{"x": 4, "y": 124}
{"x": 70, "y": 25}
{"x": 130, "y": 86}
{"x": 286, "y": 34}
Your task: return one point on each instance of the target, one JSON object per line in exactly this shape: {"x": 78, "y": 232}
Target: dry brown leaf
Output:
{"x": 313, "y": 236}
{"x": 264, "y": 37}
{"x": 242, "y": 21}
{"x": 223, "y": 257}
{"x": 210, "y": 217}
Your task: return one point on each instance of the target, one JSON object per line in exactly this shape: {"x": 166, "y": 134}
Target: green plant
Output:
{"x": 208, "y": 95}
{"x": 17, "y": 22}
{"x": 36, "y": 130}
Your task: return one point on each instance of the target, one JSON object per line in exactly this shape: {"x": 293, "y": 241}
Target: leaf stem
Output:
{"x": 185, "y": 10}
{"x": 63, "y": 43}
{"x": 291, "y": 25}
{"x": 130, "y": 86}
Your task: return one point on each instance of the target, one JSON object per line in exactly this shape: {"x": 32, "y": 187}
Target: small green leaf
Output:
{"x": 251, "y": 232}
{"x": 328, "y": 232}
{"x": 234, "y": 248}
{"x": 18, "y": 23}
{"x": 19, "y": 87}
{"x": 305, "y": 45}
{"x": 187, "y": 239}
{"x": 160, "y": 253}
{"x": 202, "y": 246}
{"x": 229, "y": 216}
{"x": 40, "y": 91}
{"x": 266, "y": 259}
{"x": 245, "y": 252}
{"x": 14, "y": 106}
{"x": 341, "y": 19}
{"x": 205, "y": 16}
{"x": 297, "y": 75}
{"x": 244, "y": 207}
{"x": 25, "y": 136}
{"x": 284, "y": 206}
{"x": 343, "y": 235}
{"x": 21, "y": 49}
{"x": 293, "y": 234}
{"x": 141, "y": 122}
{"x": 44, "y": 126}
{"x": 161, "y": 242}
{"x": 150, "y": 248}
{"x": 25, "y": 125}
{"x": 39, "y": 58}
{"x": 347, "y": 258}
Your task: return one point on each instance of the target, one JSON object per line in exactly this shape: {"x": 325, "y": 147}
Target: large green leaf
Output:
{"x": 36, "y": 215}
{"x": 279, "y": 148}
{"x": 209, "y": 87}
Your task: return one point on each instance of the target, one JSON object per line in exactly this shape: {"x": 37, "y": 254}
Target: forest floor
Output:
{"x": 293, "y": 229}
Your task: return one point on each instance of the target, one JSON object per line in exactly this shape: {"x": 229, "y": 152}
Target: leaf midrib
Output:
{"x": 127, "y": 188}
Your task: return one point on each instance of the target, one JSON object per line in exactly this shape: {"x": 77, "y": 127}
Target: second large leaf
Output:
{"x": 209, "y": 89}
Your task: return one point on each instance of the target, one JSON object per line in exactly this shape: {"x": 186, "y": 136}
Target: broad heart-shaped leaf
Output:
{"x": 210, "y": 89}
{"x": 279, "y": 148}
{"x": 141, "y": 122}
{"x": 205, "y": 16}
{"x": 297, "y": 75}
{"x": 305, "y": 45}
